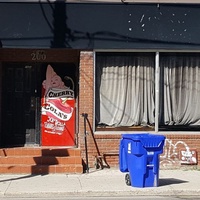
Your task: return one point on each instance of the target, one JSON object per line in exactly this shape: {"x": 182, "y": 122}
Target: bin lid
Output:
{"x": 148, "y": 140}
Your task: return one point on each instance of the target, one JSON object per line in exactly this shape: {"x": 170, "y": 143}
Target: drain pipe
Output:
{"x": 85, "y": 134}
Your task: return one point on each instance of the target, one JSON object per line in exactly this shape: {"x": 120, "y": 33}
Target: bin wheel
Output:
{"x": 128, "y": 180}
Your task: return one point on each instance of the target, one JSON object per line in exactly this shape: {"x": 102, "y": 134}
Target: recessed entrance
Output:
{"x": 23, "y": 72}
{"x": 20, "y": 103}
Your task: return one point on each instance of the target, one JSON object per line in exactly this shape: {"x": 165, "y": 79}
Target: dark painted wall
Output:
{"x": 100, "y": 26}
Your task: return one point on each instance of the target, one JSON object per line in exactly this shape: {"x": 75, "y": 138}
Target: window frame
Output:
{"x": 157, "y": 90}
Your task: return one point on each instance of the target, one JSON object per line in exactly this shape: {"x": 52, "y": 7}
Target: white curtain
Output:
{"x": 181, "y": 90}
{"x": 125, "y": 89}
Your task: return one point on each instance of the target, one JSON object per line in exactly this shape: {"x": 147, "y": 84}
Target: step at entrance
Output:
{"x": 39, "y": 160}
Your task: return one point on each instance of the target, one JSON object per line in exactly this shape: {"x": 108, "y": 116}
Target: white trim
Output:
{"x": 135, "y": 132}
{"x": 162, "y": 1}
{"x": 148, "y": 50}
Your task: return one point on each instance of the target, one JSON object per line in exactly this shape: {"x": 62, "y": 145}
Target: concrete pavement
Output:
{"x": 106, "y": 182}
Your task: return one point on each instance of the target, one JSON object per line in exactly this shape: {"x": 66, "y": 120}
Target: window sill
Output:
{"x": 132, "y": 128}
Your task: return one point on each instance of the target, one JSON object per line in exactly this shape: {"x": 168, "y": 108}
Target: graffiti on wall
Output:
{"x": 177, "y": 153}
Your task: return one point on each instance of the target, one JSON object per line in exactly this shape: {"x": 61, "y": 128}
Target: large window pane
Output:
{"x": 180, "y": 89}
{"x": 125, "y": 89}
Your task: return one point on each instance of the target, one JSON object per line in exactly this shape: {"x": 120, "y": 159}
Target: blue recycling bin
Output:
{"x": 139, "y": 156}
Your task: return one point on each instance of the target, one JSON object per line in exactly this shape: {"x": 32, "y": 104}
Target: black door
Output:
{"x": 20, "y": 104}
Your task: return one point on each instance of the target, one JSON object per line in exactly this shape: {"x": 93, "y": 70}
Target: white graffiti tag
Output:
{"x": 170, "y": 156}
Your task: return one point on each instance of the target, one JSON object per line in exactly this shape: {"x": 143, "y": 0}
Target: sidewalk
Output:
{"x": 104, "y": 182}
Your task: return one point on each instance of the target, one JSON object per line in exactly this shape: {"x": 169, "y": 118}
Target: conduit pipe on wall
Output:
{"x": 157, "y": 79}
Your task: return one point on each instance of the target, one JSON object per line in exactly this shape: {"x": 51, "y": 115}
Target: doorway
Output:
{"x": 20, "y": 104}
{"x": 22, "y": 93}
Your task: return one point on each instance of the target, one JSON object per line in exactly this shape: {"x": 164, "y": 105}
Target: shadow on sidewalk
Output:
{"x": 18, "y": 178}
{"x": 170, "y": 181}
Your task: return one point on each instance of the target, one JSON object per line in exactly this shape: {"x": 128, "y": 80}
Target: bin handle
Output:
{"x": 150, "y": 165}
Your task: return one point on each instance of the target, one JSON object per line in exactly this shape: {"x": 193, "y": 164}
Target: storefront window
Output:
{"x": 180, "y": 89}
{"x": 125, "y": 91}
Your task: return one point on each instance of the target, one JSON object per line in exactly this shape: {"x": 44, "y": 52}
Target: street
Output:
{"x": 106, "y": 198}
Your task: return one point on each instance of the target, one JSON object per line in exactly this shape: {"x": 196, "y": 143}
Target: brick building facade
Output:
{"x": 108, "y": 142}
{"x": 146, "y": 32}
